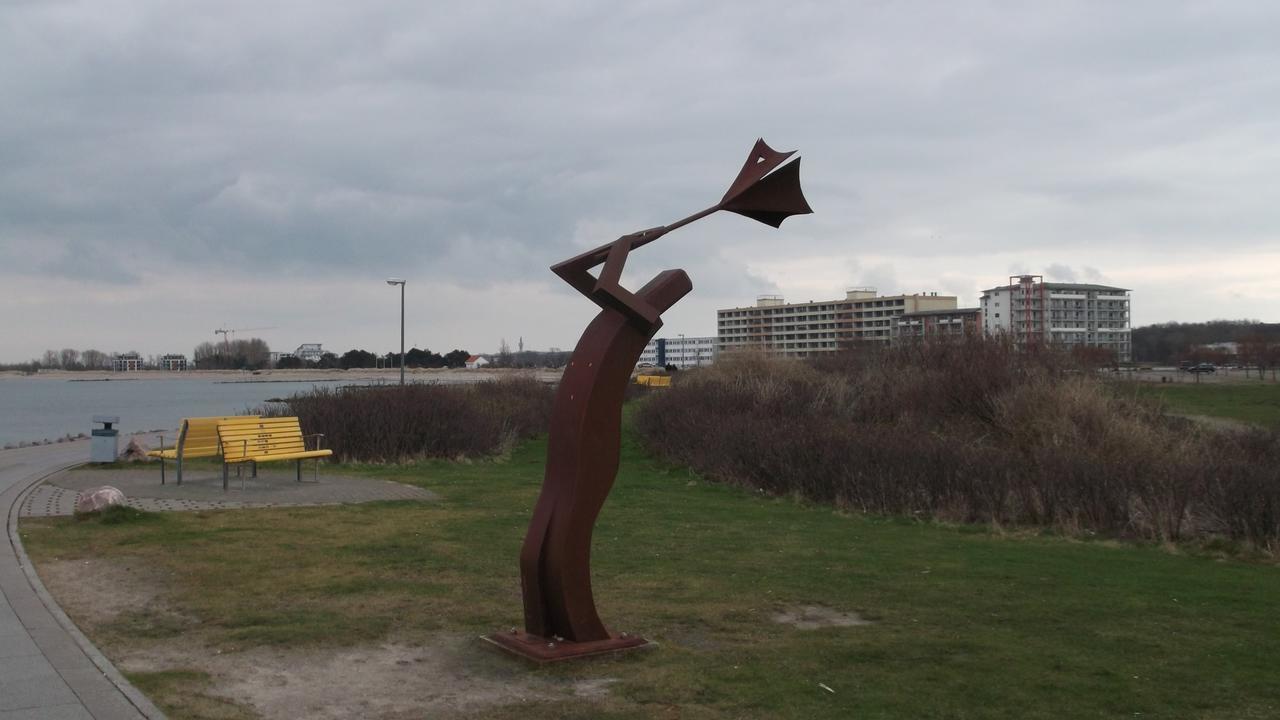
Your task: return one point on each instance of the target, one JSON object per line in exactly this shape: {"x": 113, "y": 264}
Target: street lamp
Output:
{"x": 684, "y": 357}
{"x": 398, "y": 281}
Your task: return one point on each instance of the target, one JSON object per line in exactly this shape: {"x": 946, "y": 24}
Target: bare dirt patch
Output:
{"x": 595, "y": 688}
{"x": 100, "y": 591}
{"x": 124, "y": 599}
{"x": 813, "y": 617}
{"x": 452, "y": 674}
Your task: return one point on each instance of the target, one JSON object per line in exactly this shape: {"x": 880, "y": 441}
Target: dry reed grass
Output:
{"x": 404, "y": 423}
{"x": 971, "y": 431}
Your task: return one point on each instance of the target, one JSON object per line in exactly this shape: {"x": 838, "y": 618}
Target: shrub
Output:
{"x": 969, "y": 431}
{"x": 402, "y": 423}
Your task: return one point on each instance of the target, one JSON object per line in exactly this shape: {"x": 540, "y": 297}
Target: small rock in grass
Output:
{"x": 134, "y": 452}
{"x": 95, "y": 499}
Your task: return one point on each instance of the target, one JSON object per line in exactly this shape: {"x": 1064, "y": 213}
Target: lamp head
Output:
{"x": 395, "y": 281}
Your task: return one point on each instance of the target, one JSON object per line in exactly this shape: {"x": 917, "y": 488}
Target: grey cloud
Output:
{"x": 1060, "y": 273}
{"x": 93, "y": 263}
{"x": 470, "y": 143}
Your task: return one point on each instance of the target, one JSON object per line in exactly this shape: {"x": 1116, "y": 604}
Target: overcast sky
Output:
{"x": 170, "y": 168}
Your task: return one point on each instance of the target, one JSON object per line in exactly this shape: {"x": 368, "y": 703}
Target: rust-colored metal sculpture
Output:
{"x": 560, "y": 617}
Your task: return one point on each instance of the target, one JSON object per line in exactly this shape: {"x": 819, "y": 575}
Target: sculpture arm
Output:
{"x": 606, "y": 290}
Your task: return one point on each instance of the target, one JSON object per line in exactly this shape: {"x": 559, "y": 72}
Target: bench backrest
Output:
{"x": 199, "y": 436}
{"x": 654, "y": 380}
{"x": 245, "y": 437}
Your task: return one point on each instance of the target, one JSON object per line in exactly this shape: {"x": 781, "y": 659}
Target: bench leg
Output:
{"x": 162, "y": 470}
{"x": 179, "y": 463}
{"x": 254, "y": 467}
{"x": 224, "y": 477}
{"x": 299, "y": 471}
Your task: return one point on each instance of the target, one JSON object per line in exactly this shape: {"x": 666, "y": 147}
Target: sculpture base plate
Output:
{"x": 546, "y": 650}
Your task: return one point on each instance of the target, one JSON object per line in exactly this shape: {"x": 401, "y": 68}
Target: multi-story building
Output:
{"x": 127, "y": 362}
{"x": 1072, "y": 314}
{"x": 309, "y": 352}
{"x": 937, "y": 323}
{"x": 173, "y": 362}
{"x": 801, "y": 329}
{"x": 681, "y": 351}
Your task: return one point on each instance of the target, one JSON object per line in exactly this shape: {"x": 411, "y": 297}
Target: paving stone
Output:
{"x": 16, "y": 643}
{"x": 74, "y": 711}
{"x": 27, "y": 684}
{"x": 41, "y": 665}
{"x": 109, "y": 704}
{"x": 87, "y": 680}
{"x": 203, "y": 492}
{"x": 60, "y": 650}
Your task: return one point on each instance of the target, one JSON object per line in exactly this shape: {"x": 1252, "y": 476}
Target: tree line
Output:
{"x": 1173, "y": 342}
{"x": 358, "y": 359}
{"x": 248, "y": 354}
{"x": 251, "y": 354}
{"x": 68, "y": 359}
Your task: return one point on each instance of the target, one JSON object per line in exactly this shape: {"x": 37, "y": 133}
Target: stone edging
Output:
{"x": 126, "y": 688}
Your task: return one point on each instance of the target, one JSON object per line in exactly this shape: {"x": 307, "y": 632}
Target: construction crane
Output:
{"x": 227, "y": 333}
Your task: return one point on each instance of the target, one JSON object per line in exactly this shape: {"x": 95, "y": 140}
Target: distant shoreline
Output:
{"x": 444, "y": 375}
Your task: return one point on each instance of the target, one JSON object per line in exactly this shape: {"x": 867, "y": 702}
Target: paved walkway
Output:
{"x": 48, "y": 670}
{"x": 201, "y": 489}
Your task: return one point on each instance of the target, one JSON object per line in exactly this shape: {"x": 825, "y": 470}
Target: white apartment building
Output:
{"x": 802, "y": 329}
{"x": 309, "y": 352}
{"x": 174, "y": 362}
{"x": 681, "y": 351}
{"x": 1072, "y": 314}
{"x": 126, "y": 362}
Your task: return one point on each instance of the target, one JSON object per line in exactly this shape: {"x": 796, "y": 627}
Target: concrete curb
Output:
{"x": 131, "y": 693}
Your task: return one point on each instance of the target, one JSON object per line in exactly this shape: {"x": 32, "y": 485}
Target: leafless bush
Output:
{"x": 401, "y": 423}
{"x": 971, "y": 431}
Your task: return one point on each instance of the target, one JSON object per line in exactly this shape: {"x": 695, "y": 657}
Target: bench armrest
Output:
{"x": 318, "y": 437}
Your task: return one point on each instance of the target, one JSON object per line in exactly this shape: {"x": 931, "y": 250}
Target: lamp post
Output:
{"x": 398, "y": 281}
{"x": 684, "y": 352}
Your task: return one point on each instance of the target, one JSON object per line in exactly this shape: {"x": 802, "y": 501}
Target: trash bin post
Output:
{"x": 106, "y": 439}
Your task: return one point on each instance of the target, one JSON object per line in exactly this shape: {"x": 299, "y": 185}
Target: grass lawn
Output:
{"x": 1251, "y": 402}
{"x": 968, "y": 623}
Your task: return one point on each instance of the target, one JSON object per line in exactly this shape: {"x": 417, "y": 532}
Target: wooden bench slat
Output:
{"x": 264, "y": 440}
{"x": 288, "y": 456}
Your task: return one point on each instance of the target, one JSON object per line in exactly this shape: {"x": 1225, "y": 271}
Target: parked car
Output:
{"x": 1203, "y": 368}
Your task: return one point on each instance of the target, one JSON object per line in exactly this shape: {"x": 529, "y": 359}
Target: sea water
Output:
{"x": 35, "y": 409}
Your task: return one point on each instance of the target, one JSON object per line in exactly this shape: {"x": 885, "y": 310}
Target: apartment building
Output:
{"x": 126, "y": 362}
{"x": 681, "y": 351}
{"x": 174, "y": 362}
{"x": 309, "y": 352}
{"x": 802, "y": 329}
{"x": 1072, "y": 314}
{"x": 937, "y": 323}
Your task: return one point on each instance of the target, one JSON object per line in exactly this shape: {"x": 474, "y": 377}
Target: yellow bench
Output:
{"x": 197, "y": 438}
{"x": 255, "y": 440}
{"x": 654, "y": 380}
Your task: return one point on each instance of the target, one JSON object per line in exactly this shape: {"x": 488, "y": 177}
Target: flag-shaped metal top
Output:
{"x": 765, "y": 193}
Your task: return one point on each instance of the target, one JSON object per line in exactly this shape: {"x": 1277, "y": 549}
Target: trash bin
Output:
{"x": 106, "y": 444}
